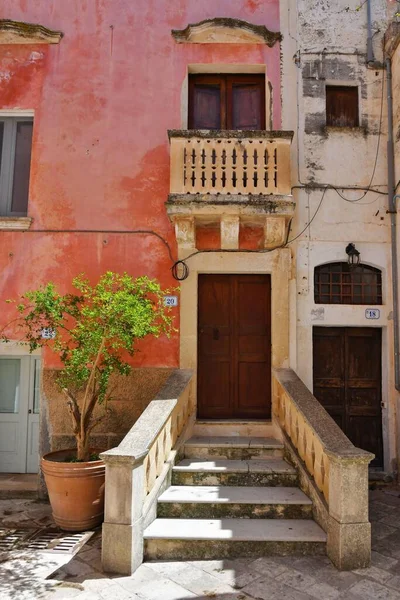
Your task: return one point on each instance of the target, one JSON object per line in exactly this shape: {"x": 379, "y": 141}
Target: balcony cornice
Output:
{"x": 230, "y": 133}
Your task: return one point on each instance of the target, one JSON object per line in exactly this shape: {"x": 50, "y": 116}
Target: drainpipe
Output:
{"x": 393, "y": 216}
{"x": 371, "y": 62}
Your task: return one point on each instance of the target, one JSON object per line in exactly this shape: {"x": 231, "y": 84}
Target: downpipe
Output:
{"x": 392, "y": 197}
{"x": 371, "y": 62}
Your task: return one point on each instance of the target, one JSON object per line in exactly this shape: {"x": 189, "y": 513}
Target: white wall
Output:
{"x": 325, "y": 43}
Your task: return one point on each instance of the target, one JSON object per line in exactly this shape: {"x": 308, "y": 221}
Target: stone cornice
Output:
{"x": 230, "y": 133}
{"x": 15, "y": 223}
{"x": 226, "y": 31}
{"x": 16, "y": 32}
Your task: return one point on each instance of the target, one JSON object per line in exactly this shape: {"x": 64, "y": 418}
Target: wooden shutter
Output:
{"x": 227, "y": 102}
{"x": 246, "y": 102}
{"x": 342, "y": 106}
{"x": 207, "y": 102}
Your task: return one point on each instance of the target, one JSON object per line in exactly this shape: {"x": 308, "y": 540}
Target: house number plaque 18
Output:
{"x": 372, "y": 313}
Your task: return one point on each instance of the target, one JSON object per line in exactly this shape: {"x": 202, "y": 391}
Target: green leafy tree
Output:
{"x": 93, "y": 332}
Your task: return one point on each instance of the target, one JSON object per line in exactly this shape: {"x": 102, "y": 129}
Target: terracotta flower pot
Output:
{"x": 76, "y": 490}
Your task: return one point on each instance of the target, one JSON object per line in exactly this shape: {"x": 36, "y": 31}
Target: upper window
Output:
{"x": 15, "y": 163}
{"x": 342, "y": 106}
{"x": 227, "y": 102}
{"x": 338, "y": 283}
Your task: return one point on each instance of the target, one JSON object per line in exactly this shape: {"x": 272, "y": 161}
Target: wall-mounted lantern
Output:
{"x": 353, "y": 255}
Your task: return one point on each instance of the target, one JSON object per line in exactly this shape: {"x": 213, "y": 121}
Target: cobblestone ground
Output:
{"x": 23, "y": 577}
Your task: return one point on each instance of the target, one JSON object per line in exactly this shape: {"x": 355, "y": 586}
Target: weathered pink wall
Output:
{"x": 103, "y": 100}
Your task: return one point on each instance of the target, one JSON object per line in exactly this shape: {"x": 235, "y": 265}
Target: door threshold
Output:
{"x": 18, "y": 485}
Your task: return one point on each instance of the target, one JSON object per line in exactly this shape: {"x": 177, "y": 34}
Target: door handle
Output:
{"x": 215, "y": 334}
{"x": 29, "y": 412}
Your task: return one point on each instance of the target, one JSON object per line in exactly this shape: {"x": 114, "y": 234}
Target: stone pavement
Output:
{"x": 275, "y": 578}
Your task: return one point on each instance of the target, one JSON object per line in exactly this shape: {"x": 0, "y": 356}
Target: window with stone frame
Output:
{"x": 227, "y": 101}
{"x": 15, "y": 164}
{"x": 341, "y": 283}
{"x": 342, "y": 106}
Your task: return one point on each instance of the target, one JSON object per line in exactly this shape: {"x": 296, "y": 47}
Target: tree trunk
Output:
{"x": 82, "y": 444}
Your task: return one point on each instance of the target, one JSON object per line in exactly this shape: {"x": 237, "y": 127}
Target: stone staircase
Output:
{"x": 232, "y": 496}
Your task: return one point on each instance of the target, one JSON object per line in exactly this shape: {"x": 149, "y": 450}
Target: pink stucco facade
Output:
{"x": 103, "y": 100}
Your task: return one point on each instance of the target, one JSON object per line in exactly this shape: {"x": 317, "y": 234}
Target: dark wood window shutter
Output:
{"x": 342, "y": 106}
{"x": 227, "y": 102}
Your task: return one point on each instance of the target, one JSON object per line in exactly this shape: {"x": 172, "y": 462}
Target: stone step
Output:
{"x": 232, "y": 447}
{"x": 265, "y": 472}
{"x": 215, "y": 502}
{"x": 210, "y": 539}
{"x": 236, "y": 427}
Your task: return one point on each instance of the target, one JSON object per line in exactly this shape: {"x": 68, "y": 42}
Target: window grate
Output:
{"x": 338, "y": 283}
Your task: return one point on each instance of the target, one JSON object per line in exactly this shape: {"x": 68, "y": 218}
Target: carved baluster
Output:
{"x": 239, "y": 148}
{"x": 295, "y": 428}
{"x": 319, "y": 471}
{"x": 198, "y": 159}
{"x": 252, "y": 161}
{"x": 265, "y": 168}
{"x": 310, "y": 451}
{"x": 167, "y": 438}
{"x": 259, "y": 166}
{"x": 307, "y": 444}
{"x": 219, "y": 183}
{"x": 151, "y": 472}
{"x": 301, "y": 444}
{"x": 325, "y": 465}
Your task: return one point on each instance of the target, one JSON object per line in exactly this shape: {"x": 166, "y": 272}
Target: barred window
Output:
{"x": 340, "y": 283}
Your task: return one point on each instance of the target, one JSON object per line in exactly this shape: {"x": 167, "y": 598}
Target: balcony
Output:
{"x": 230, "y": 178}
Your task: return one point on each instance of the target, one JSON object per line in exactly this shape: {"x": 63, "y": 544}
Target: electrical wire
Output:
{"x": 310, "y": 221}
{"x": 108, "y": 231}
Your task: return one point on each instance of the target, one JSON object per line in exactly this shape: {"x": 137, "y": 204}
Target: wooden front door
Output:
{"x": 234, "y": 347}
{"x": 347, "y": 382}
{"x": 227, "y": 102}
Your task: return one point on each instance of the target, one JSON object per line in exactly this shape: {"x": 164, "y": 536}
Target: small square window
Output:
{"x": 15, "y": 164}
{"x": 342, "y": 106}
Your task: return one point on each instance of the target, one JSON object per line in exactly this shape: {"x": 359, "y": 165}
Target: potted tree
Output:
{"x": 93, "y": 332}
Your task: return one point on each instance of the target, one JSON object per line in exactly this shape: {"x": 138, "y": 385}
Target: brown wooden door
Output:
{"x": 347, "y": 382}
{"x": 234, "y": 347}
{"x": 227, "y": 102}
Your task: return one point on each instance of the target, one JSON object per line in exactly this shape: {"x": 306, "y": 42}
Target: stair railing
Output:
{"x": 137, "y": 471}
{"x": 333, "y": 472}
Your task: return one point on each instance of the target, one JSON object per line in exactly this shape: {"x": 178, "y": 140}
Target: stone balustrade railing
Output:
{"x": 230, "y": 162}
{"x": 137, "y": 469}
{"x": 333, "y": 472}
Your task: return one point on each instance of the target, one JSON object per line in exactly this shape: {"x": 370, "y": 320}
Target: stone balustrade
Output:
{"x": 230, "y": 162}
{"x": 333, "y": 472}
{"x": 137, "y": 469}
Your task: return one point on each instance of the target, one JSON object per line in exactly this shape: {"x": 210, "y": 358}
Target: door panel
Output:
{"x": 329, "y": 371}
{"x": 32, "y": 451}
{"x": 14, "y": 386}
{"x": 234, "y": 346}
{"x": 347, "y": 382}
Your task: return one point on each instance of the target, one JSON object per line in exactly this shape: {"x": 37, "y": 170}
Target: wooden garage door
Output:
{"x": 234, "y": 346}
{"x": 347, "y": 382}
